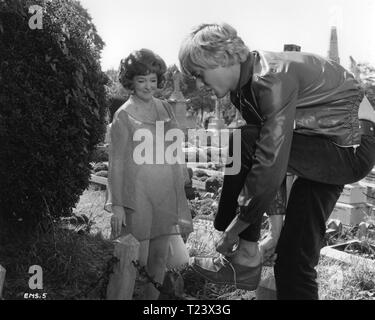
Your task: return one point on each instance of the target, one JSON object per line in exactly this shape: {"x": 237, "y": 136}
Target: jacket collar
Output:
{"x": 247, "y": 70}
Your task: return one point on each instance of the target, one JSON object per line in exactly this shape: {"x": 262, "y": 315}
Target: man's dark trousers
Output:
{"x": 322, "y": 168}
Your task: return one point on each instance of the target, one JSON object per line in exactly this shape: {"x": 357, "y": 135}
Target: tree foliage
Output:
{"x": 367, "y": 77}
{"x": 52, "y": 109}
{"x": 114, "y": 87}
{"x": 116, "y": 93}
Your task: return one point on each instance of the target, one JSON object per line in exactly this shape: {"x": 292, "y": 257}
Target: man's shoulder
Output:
{"x": 290, "y": 66}
{"x": 290, "y": 61}
{"x": 277, "y": 75}
{"x": 297, "y": 56}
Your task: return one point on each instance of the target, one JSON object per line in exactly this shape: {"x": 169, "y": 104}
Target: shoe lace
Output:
{"x": 225, "y": 260}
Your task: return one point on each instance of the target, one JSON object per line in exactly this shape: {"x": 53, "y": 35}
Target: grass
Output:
{"x": 338, "y": 281}
{"x": 71, "y": 263}
{"x": 91, "y": 205}
{"x": 75, "y": 261}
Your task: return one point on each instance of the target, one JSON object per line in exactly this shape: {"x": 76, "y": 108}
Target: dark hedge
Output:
{"x": 52, "y": 110}
{"x": 114, "y": 103}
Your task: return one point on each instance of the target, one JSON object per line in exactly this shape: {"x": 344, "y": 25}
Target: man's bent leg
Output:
{"x": 233, "y": 184}
{"x": 244, "y": 270}
{"x": 309, "y": 207}
{"x": 319, "y": 159}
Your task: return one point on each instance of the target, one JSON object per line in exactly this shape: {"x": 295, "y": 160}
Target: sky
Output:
{"x": 161, "y": 25}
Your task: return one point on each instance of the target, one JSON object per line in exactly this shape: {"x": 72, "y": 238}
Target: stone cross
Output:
{"x": 178, "y": 101}
{"x": 216, "y": 123}
{"x": 176, "y": 80}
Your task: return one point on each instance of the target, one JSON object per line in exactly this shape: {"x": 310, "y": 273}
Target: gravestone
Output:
{"x": 122, "y": 280}
{"x": 2, "y": 279}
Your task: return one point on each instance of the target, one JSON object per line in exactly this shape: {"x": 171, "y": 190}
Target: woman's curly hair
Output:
{"x": 141, "y": 62}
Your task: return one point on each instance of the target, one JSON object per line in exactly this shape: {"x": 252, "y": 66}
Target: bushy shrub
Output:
{"x": 52, "y": 109}
{"x": 114, "y": 103}
{"x": 99, "y": 155}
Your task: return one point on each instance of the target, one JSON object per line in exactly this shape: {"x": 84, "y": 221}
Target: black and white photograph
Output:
{"x": 188, "y": 153}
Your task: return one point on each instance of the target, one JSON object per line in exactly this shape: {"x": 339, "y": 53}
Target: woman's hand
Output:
{"x": 118, "y": 220}
{"x": 226, "y": 244}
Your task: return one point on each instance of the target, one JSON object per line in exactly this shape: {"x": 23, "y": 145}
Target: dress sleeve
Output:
{"x": 119, "y": 147}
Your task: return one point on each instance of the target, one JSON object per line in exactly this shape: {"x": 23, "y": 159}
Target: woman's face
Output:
{"x": 145, "y": 86}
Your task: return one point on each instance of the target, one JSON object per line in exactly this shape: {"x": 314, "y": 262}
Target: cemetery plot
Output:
{"x": 352, "y": 252}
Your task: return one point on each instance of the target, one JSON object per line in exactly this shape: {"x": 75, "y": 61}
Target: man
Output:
{"x": 305, "y": 115}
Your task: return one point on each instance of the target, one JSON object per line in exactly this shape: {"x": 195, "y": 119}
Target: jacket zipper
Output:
{"x": 252, "y": 108}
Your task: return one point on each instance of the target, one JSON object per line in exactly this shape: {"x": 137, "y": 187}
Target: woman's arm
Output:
{"x": 116, "y": 173}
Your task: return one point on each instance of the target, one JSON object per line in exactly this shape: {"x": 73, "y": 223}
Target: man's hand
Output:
{"x": 227, "y": 243}
{"x": 118, "y": 220}
{"x": 267, "y": 250}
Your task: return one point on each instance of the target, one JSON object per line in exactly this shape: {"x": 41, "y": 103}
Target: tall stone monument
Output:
{"x": 333, "y": 52}
{"x": 178, "y": 101}
{"x": 217, "y": 122}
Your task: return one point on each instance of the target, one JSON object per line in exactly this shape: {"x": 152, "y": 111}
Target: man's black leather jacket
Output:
{"x": 290, "y": 92}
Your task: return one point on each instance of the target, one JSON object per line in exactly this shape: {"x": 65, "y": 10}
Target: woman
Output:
{"x": 148, "y": 199}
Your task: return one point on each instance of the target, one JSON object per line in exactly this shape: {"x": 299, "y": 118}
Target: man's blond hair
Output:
{"x": 211, "y": 45}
